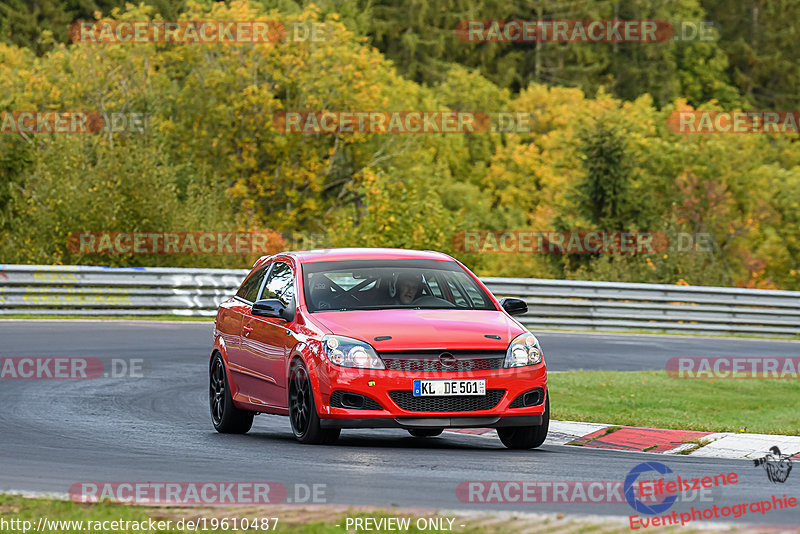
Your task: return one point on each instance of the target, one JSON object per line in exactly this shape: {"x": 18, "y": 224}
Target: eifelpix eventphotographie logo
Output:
{"x": 777, "y": 465}
{"x": 630, "y": 485}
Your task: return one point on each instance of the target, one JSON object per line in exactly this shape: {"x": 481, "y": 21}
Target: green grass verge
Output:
{"x": 654, "y": 399}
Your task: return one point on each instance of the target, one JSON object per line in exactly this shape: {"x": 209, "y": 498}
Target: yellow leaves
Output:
{"x": 214, "y": 107}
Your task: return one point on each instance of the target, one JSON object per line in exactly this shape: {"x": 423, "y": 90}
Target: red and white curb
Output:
{"x": 656, "y": 440}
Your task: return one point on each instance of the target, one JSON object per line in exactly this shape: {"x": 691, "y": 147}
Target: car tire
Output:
{"x": 425, "y": 432}
{"x": 526, "y": 437}
{"x": 303, "y": 410}
{"x": 226, "y": 417}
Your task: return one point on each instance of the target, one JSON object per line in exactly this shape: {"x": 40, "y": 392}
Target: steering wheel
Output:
{"x": 430, "y": 300}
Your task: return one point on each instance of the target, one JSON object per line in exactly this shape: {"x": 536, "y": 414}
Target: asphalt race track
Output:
{"x": 157, "y": 428}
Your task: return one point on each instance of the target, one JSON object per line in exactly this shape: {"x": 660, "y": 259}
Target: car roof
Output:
{"x": 364, "y": 253}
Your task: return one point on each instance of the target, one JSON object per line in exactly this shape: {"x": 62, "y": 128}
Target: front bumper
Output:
{"x": 391, "y": 390}
{"x": 433, "y": 422}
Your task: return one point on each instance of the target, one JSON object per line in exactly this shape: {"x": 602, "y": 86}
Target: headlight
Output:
{"x": 349, "y": 352}
{"x": 523, "y": 350}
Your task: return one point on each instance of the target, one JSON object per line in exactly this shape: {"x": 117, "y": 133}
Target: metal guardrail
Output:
{"x": 77, "y": 290}
{"x": 610, "y": 306}
{"x": 566, "y": 304}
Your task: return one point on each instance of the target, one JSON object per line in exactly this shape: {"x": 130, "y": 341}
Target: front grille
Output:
{"x": 428, "y": 361}
{"x": 457, "y": 403}
{"x": 353, "y": 401}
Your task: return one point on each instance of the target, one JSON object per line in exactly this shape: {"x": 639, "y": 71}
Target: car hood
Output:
{"x": 423, "y": 329}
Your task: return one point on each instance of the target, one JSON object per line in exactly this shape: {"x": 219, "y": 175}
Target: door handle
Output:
{"x": 247, "y": 329}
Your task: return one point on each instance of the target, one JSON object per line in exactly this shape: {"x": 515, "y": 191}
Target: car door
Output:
{"x": 266, "y": 341}
{"x": 230, "y": 324}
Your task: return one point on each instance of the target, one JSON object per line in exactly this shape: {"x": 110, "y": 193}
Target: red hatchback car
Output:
{"x": 374, "y": 338}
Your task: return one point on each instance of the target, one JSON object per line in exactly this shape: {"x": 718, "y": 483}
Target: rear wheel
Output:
{"x": 425, "y": 432}
{"x": 303, "y": 410}
{"x": 526, "y": 437}
{"x": 227, "y": 418}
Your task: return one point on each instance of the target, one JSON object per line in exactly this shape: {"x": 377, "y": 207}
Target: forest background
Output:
{"x": 599, "y": 154}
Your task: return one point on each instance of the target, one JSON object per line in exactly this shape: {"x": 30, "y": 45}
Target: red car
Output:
{"x": 375, "y": 338}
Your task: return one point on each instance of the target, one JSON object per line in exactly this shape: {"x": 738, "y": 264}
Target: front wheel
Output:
{"x": 227, "y": 418}
{"x": 303, "y": 410}
{"x": 526, "y": 437}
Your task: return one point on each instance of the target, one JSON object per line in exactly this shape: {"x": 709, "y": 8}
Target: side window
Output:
{"x": 280, "y": 284}
{"x": 249, "y": 290}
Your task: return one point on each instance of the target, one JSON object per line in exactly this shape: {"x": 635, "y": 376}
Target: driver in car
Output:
{"x": 407, "y": 287}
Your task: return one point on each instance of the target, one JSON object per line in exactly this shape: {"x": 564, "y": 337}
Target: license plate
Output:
{"x": 428, "y": 388}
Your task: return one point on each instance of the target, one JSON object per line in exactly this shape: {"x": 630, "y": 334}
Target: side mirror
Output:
{"x": 272, "y": 308}
{"x": 514, "y": 306}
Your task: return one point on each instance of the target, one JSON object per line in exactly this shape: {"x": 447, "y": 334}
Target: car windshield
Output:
{"x": 391, "y": 284}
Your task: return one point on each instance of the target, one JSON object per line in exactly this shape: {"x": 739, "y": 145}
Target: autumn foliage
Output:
{"x": 207, "y": 157}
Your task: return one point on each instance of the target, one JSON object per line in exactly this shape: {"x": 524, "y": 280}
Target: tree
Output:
{"x": 604, "y": 196}
{"x": 764, "y": 63}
